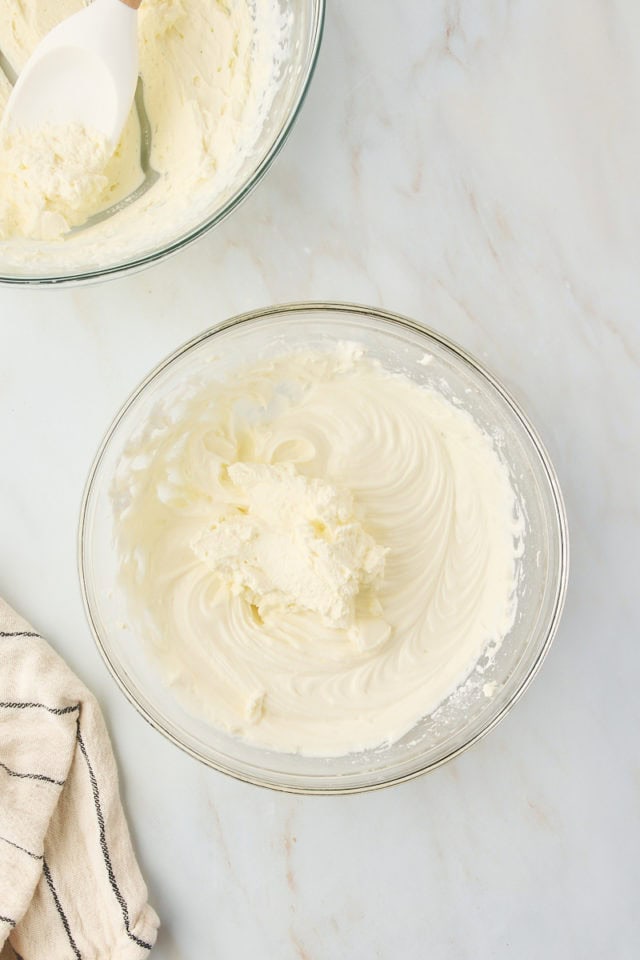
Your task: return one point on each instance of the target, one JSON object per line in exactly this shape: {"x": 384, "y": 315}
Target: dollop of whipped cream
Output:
{"x": 291, "y": 544}
{"x": 316, "y": 551}
{"x": 52, "y": 178}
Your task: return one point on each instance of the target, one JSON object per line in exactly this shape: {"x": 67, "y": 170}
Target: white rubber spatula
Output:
{"x": 84, "y": 71}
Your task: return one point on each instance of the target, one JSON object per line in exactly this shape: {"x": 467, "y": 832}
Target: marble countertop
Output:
{"x": 473, "y": 165}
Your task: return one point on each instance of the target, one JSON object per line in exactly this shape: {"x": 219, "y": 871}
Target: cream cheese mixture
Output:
{"x": 51, "y": 179}
{"x": 318, "y": 551}
{"x": 208, "y": 71}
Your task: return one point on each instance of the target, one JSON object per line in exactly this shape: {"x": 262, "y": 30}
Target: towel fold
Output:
{"x": 70, "y": 887}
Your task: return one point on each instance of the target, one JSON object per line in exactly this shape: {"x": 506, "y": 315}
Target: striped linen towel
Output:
{"x": 70, "y": 887}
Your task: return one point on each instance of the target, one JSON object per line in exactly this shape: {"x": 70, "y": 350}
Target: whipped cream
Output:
{"x": 318, "y": 551}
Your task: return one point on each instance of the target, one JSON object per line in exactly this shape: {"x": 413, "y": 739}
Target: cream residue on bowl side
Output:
{"x": 427, "y": 572}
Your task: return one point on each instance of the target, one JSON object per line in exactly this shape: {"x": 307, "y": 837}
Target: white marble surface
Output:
{"x": 473, "y": 164}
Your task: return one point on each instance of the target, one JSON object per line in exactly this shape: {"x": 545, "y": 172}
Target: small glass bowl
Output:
{"x": 469, "y": 713}
{"x": 306, "y": 19}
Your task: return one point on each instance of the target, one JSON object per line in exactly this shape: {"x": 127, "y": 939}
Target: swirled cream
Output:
{"x": 318, "y": 550}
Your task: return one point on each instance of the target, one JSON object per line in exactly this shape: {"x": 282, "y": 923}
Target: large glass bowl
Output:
{"x": 400, "y": 344}
{"x": 61, "y": 262}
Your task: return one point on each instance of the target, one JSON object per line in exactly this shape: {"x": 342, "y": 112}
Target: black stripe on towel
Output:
{"x": 24, "y": 705}
{"x": 103, "y": 844}
{"x": 24, "y": 849}
{"x": 8, "y": 920}
{"x": 31, "y": 776}
{"x": 19, "y": 633}
{"x": 61, "y": 913}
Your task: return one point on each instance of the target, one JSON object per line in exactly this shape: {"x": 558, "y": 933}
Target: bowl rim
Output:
{"x": 358, "y": 310}
{"x": 318, "y": 10}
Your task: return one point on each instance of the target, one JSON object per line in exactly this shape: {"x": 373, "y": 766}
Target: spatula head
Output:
{"x": 83, "y": 72}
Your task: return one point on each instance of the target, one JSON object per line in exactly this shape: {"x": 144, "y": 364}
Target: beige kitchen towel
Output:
{"x": 70, "y": 887}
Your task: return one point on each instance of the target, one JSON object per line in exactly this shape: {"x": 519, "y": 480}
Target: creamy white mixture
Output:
{"x": 208, "y": 69}
{"x": 291, "y": 543}
{"x": 318, "y": 551}
{"x": 51, "y": 179}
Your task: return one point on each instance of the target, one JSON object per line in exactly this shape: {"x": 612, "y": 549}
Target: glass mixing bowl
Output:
{"x": 400, "y": 344}
{"x": 61, "y": 262}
